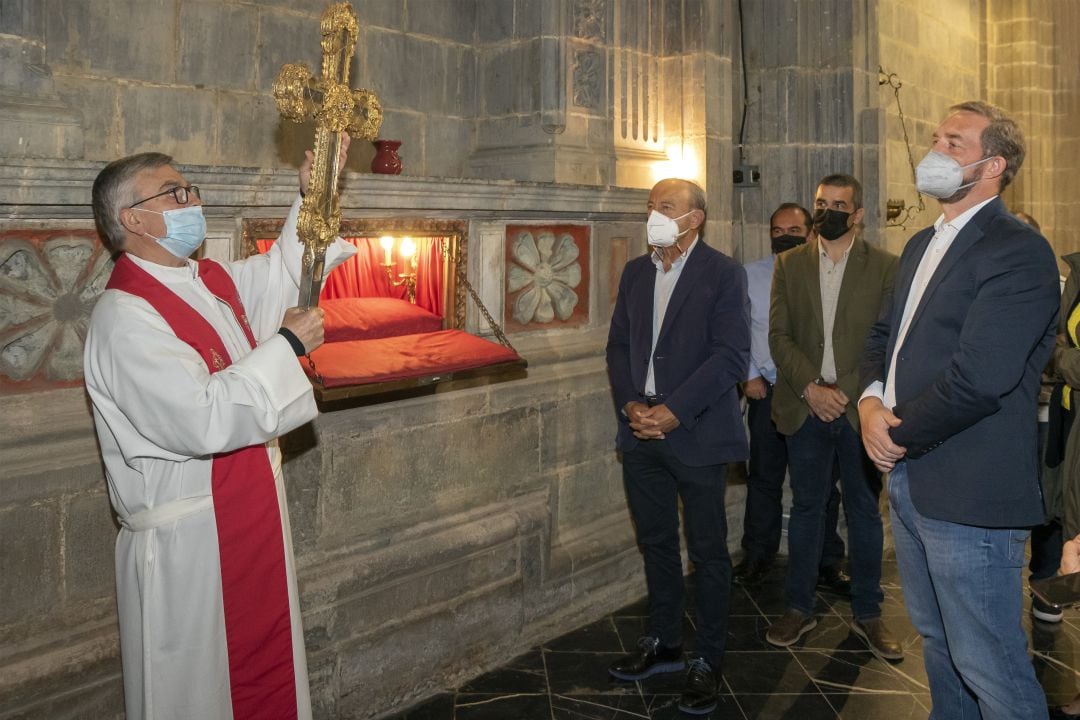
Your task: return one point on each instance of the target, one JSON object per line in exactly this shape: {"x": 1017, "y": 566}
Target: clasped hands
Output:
{"x": 650, "y": 423}
{"x": 826, "y": 402}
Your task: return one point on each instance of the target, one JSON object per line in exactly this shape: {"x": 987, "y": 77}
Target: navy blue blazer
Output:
{"x": 967, "y": 376}
{"x": 702, "y": 354}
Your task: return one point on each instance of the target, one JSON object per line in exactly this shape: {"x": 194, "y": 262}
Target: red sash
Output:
{"x": 253, "y": 577}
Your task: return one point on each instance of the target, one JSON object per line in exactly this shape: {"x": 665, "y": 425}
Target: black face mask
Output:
{"x": 786, "y": 242}
{"x": 830, "y": 224}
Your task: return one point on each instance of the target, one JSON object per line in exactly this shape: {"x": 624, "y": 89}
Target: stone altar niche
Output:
{"x": 378, "y": 340}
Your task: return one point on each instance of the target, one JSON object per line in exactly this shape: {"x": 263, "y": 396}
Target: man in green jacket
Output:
{"x": 825, "y": 296}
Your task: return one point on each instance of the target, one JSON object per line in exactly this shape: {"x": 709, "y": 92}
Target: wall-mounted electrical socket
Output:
{"x": 746, "y": 176}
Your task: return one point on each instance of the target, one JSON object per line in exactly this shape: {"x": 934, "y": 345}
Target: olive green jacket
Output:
{"x": 796, "y": 328}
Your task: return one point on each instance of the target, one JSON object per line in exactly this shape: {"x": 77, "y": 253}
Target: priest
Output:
{"x": 191, "y": 367}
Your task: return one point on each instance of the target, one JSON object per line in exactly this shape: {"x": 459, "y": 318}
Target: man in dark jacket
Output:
{"x": 678, "y": 347}
{"x": 951, "y": 372}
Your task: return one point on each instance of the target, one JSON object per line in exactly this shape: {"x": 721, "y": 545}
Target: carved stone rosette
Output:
{"x": 49, "y": 282}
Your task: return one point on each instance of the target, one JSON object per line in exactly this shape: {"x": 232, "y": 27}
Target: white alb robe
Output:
{"x": 160, "y": 416}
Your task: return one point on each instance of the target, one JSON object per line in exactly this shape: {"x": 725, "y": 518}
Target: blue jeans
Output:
{"x": 655, "y": 480}
{"x": 762, "y": 522}
{"x": 812, "y": 450}
{"x": 962, "y": 588}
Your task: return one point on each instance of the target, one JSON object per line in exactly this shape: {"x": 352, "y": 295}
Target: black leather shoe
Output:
{"x": 751, "y": 570}
{"x": 833, "y": 579}
{"x": 1045, "y": 611}
{"x": 699, "y": 695}
{"x": 649, "y": 659}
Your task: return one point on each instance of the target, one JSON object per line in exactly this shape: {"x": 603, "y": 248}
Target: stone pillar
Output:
{"x": 813, "y": 108}
{"x": 34, "y": 123}
{"x": 544, "y": 108}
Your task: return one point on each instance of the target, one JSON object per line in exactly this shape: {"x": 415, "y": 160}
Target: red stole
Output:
{"x": 254, "y": 585}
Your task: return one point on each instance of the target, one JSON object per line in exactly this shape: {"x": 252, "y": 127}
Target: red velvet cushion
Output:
{"x": 360, "y": 362}
{"x": 374, "y": 317}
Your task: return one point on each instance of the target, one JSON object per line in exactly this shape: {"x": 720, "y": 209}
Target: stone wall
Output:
{"x": 194, "y": 78}
{"x": 811, "y": 109}
{"x": 929, "y": 83}
{"x": 1010, "y": 53}
{"x": 1034, "y": 71}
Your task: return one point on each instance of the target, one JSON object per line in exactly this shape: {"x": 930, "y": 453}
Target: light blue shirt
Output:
{"x": 759, "y": 286}
{"x": 665, "y": 285}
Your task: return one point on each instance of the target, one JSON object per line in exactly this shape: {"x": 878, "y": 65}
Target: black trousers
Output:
{"x": 655, "y": 481}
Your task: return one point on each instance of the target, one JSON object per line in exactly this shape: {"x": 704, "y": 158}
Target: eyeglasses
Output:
{"x": 180, "y": 193}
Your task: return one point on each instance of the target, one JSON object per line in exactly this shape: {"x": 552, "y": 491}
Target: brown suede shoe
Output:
{"x": 791, "y": 626}
{"x": 877, "y": 636}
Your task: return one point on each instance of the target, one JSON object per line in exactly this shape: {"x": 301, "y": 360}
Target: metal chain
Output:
{"x": 495, "y": 327}
{"x": 459, "y": 273}
{"x": 893, "y": 81}
{"x": 311, "y": 364}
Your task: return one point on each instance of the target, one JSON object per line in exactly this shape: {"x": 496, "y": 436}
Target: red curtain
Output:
{"x": 429, "y": 275}
{"x": 364, "y": 275}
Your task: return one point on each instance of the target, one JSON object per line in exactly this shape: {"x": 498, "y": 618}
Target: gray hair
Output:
{"x": 697, "y": 195}
{"x": 113, "y": 192}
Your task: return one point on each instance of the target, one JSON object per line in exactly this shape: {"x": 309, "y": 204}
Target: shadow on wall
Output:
{"x": 292, "y": 139}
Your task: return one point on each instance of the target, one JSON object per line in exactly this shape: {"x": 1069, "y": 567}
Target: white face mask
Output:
{"x": 940, "y": 176}
{"x": 663, "y": 231}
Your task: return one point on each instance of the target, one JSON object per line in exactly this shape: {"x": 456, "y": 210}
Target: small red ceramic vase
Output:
{"x": 386, "y": 160}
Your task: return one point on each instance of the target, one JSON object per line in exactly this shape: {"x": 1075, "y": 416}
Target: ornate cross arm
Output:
{"x": 335, "y": 107}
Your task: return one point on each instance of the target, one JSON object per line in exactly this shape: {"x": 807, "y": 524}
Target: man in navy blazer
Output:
{"x": 951, "y": 372}
{"x": 678, "y": 347}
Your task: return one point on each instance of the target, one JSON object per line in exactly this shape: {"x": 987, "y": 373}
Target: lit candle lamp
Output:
{"x": 387, "y": 243}
{"x": 408, "y": 250}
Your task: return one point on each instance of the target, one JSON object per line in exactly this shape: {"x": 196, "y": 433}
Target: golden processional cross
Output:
{"x": 335, "y": 107}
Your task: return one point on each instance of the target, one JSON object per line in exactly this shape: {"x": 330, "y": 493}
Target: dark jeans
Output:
{"x": 655, "y": 480}
{"x": 765, "y": 489}
{"x": 812, "y": 450}
{"x": 1046, "y": 539}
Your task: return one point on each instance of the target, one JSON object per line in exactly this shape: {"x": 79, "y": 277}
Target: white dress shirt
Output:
{"x": 665, "y": 285}
{"x": 944, "y": 234}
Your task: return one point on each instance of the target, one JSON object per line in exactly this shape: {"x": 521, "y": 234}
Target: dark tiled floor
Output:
{"x": 829, "y": 674}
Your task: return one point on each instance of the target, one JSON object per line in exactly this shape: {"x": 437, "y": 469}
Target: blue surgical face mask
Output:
{"x": 185, "y": 230}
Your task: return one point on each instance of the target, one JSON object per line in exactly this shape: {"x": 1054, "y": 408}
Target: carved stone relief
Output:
{"x": 49, "y": 282}
{"x": 587, "y": 74}
{"x": 547, "y": 279}
{"x": 589, "y": 19}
